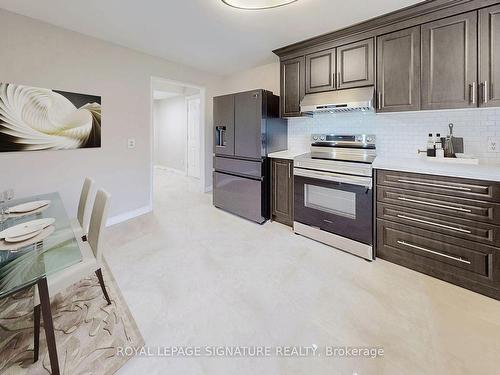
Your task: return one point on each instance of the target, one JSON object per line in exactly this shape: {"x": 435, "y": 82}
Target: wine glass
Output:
{"x": 9, "y": 194}
{"x": 3, "y": 214}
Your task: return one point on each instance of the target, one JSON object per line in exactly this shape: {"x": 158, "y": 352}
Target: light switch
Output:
{"x": 131, "y": 143}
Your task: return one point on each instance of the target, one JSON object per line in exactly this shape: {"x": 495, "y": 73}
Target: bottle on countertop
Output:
{"x": 439, "y": 146}
{"x": 431, "y": 146}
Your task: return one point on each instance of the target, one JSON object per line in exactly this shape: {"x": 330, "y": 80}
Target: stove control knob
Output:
{"x": 315, "y": 137}
{"x": 369, "y": 139}
{"x": 322, "y": 138}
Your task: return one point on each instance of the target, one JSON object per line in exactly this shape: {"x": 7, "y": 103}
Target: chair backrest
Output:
{"x": 98, "y": 222}
{"x": 84, "y": 203}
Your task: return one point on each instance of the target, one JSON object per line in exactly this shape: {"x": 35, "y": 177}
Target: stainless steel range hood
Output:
{"x": 348, "y": 100}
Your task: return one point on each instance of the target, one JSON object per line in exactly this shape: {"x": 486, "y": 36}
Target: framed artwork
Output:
{"x": 35, "y": 119}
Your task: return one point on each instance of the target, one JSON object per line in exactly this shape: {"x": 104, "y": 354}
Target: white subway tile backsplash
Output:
{"x": 402, "y": 134}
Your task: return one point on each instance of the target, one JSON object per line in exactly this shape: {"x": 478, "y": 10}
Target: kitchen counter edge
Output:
{"x": 481, "y": 171}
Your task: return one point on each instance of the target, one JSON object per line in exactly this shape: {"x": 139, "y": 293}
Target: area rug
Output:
{"x": 88, "y": 331}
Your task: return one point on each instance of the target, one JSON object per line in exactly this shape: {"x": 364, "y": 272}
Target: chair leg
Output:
{"x": 36, "y": 333}
{"x": 103, "y": 287}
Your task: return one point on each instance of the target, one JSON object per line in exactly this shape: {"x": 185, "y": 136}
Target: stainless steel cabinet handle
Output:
{"x": 473, "y": 90}
{"x": 433, "y": 252}
{"x": 435, "y": 185}
{"x": 379, "y": 100}
{"x": 434, "y": 224}
{"x": 485, "y": 92}
{"x": 289, "y": 171}
{"x": 434, "y": 204}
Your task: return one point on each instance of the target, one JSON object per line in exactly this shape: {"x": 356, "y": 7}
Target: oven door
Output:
{"x": 336, "y": 203}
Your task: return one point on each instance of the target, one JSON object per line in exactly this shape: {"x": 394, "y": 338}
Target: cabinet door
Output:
{"x": 398, "y": 71}
{"x": 449, "y": 62}
{"x": 320, "y": 71}
{"x": 293, "y": 84}
{"x": 489, "y": 47}
{"x": 224, "y": 117}
{"x": 355, "y": 64}
{"x": 282, "y": 190}
{"x": 248, "y": 124}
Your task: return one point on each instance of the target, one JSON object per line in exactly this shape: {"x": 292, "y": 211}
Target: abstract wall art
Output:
{"x": 33, "y": 119}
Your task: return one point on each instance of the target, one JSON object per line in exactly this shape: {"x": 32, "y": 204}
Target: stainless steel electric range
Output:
{"x": 333, "y": 198}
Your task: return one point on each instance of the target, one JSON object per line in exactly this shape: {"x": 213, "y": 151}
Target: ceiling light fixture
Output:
{"x": 257, "y": 4}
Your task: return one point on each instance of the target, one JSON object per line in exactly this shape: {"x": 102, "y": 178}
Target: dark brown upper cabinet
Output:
{"x": 489, "y": 56}
{"x": 355, "y": 65}
{"x": 320, "y": 71}
{"x": 292, "y": 86}
{"x": 398, "y": 71}
{"x": 449, "y": 62}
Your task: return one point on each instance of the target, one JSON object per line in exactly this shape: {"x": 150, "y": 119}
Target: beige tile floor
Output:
{"x": 194, "y": 276}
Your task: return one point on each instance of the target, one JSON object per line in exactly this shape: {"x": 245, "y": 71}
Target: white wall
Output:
{"x": 262, "y": 77}
{"x": 171, "y": 133}
{"x": 38, "y": 54}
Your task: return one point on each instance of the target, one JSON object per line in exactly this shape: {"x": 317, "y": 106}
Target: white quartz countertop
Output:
{"x": 287, "y": 154}
{"x": 481, "y": 171}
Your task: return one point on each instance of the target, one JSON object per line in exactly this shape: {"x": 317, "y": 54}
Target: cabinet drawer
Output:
{"x": 451, "y": 186}
{"x": 238, "y": 166}
{"x": 457, "y": 227}
{"x": 487, "y": 212}
{"x": 465, "y": 263}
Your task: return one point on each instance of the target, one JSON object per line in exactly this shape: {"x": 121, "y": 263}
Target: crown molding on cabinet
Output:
{"x": 413, "y": 15}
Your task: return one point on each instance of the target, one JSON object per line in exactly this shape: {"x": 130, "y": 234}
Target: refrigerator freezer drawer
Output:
{"x": 238, "y": 166}
{"x": 239, "y": 195}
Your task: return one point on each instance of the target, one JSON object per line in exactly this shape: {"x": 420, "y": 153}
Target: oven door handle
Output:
{"x": 366, "y": 182}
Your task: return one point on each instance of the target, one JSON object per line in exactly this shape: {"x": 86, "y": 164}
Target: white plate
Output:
{"x": 26, "y": 228}
{"x": 7, "y": 246}
{"x": 22, "y": 238}
{"x": 27, "y": 207}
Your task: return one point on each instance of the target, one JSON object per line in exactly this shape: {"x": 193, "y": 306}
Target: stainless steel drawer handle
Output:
{"x": 485, "y": 92}
{"x": 435, "y": 185}
{"x": 434, "y": 204}
{"x": 433, "y": 252}
{"x": 434, "y": 224}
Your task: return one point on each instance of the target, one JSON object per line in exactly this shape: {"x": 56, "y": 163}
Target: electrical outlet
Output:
{"x": 131, "y": 143}
{"x": 493, "y": 144}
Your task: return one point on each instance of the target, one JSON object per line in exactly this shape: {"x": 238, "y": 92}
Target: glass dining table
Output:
{"x": 30, "y": 265}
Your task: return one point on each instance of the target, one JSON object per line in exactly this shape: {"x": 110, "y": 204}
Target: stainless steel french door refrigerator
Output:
{"x": 247, "y": 127}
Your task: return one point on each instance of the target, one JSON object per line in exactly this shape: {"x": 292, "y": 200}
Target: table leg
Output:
{"x": 43, "y": 291}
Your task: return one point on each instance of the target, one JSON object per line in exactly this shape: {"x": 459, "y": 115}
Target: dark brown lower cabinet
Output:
{"x": 282, "y": 191}
{"x": 437, "y": 238}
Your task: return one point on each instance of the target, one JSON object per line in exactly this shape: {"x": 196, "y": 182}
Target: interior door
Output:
{"x": 398, "y": 71}
{"x": 248, "y": 124}
{"x": 449, "y": 62}
{"x": 193, "y": 149}
{"x": 355, "y": 65}
{"x": 489, "y": 69}
{"x": 224, "y": 119}
{"x": 320, "y": 71}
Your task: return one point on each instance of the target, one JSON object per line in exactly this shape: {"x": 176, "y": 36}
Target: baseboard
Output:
{"x": 128, "y": 215}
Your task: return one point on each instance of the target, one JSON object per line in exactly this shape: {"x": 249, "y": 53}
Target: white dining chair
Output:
{"x": 91, "y": 261}
{"x": 80, "y": 223}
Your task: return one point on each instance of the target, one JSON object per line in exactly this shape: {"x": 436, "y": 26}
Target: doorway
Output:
{"x": 177, "y": 133}
{"x": 193, "y": 105}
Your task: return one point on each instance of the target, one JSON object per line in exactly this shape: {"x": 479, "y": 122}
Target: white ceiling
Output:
{"x": 203, "y": 33}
